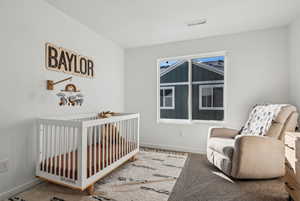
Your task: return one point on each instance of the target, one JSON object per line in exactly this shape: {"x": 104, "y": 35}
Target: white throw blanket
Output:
{"x": 260, "y": 119}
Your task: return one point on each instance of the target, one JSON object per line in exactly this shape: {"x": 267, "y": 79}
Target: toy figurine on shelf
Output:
{"x": 73, "y": 99}
{"x": 106, "y": 114}
{"x": 63, "y": 99}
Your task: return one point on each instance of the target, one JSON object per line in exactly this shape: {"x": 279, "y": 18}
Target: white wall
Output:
{"x": 294, "y": 53}
{"x": 257, "y": 72}
{"x": 26, "y": 25}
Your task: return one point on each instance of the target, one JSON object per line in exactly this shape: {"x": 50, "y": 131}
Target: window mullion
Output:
{"x": 212, "y": 97}
{"x": 190, "y": 90}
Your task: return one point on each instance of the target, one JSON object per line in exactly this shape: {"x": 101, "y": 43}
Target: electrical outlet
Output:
{"x": 181, "y": 134}
{"x": 3, "y": 166}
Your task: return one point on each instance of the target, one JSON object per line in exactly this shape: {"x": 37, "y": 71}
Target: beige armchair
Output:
{"x": 252, "y": 157}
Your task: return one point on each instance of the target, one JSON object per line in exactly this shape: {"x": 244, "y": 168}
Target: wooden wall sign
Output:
{"x": 67, "y": 61}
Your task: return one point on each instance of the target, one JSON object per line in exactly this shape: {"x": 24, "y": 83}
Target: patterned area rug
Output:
{"x": 150, "y": 178}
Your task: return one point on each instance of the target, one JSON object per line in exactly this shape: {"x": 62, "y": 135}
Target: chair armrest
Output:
{"x": 222, "y": 132}
{"x": 258, "y": 157}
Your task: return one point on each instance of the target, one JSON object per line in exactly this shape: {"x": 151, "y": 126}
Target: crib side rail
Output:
{"x": 57, "y": 157}
{"x": 106, "y": 143}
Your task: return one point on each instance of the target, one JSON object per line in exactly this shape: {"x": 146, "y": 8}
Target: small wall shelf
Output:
{"x": 51, "y": 83}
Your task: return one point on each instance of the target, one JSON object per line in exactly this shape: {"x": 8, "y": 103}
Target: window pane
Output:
{"x": 208, "y": 75}
{"x": 168, "y": 92}
{"x": 218, "y": 97}
{"x": 161, "y": 99}
{"x": 206, "y": 91}
{"x": 174, "y": 73}
{"x": 168, "y": 101}
{"x": 161, "y": 92}
{"x": 206, "y": 101}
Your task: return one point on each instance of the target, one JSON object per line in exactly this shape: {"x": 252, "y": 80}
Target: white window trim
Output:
{"x": 189, "y": 120}
{"x": 173, "y": 98}
{"x": 201, "y": 87}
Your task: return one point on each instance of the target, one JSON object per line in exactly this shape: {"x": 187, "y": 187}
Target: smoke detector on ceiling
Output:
{"x": 196, "y": 22}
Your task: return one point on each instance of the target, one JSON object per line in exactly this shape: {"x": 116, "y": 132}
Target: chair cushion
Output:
{"x": 224, "y": 146}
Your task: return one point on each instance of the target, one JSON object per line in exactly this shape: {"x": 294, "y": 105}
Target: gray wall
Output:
{"x": 257, "y": 72}
{"x": 25, "y": 27}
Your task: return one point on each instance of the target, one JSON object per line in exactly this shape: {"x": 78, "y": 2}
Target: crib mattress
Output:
{"x": 98, "y": 157}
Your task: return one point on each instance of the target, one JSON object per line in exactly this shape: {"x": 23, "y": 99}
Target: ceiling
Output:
{"x": 133, "y": 23}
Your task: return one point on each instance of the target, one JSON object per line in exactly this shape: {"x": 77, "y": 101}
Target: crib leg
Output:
{"x": 91, "y": 189}
{"x": 133, "y": 158}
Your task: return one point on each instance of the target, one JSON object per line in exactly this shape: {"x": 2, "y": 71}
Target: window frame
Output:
{"x": 190, "y": 83}
{"x": 173, "y": 98}
{"x": 201, "y": 87}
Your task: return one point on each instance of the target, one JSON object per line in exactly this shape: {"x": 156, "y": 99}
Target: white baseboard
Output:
{"x": 18, "y": 189}
{"x": 173, "y": 148}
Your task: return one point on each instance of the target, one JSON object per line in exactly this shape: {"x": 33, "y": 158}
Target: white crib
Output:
{"x": 78, "y": 150}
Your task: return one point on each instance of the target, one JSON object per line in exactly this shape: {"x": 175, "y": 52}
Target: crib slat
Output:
{"x": 90, "y": 152}
{"x": 124, "y": 132}
{"x": 44, "y": 147}
{"x": 133, "y": 122}
{"x": 114, "y": 142}
{"x": 74, "y": 152}
{"x": 102, "y": 145}
{"x": 70, "y": 142}
{"x": 133, "y": 141}
{"x": 95, "y": 148}
{"x": 106, "y": 145}
{"x": 65, "y": 152}
{"x": 118, "y": 140}
{"x": 99, "y": 147}
{"x": 60, "y": 150}
{"x": 51, "y": 150}
{"x": 130, "y": 135}
{"x": 136, "y": 133}
{"x": 110, "y": 143}
{"x": 122, "y": 138}
{"x": 127, "y": 136}
{"x": 128, "y": 132}
{"x": 68, "y": 151}
{"x": 55, "y": 150}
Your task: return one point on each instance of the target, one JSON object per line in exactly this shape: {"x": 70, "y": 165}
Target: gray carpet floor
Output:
{"x": 200, "y": 181}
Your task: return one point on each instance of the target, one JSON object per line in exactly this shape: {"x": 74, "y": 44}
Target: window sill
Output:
{"x": 189, "y": 122}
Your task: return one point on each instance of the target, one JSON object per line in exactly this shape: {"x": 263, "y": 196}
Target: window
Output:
{"x": 211, "y": 97}
{"x": 167, "y": 98}
{"x": 199, "y": 85}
